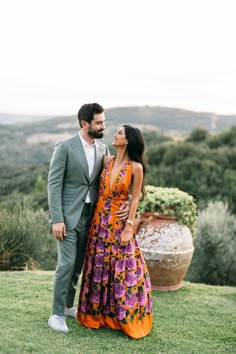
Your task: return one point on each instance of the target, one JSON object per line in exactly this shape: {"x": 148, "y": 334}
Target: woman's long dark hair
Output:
{"x": 135, "y": 147}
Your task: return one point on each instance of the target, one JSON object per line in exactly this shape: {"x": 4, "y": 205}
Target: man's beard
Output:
{"x": 95, "y": 134}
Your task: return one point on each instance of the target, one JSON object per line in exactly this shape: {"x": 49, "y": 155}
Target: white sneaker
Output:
{"x": 58, "y": 323}
{"x": 71, "y": 312}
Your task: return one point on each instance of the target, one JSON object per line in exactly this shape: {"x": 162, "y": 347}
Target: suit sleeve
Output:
{"x": 55, "y": 183}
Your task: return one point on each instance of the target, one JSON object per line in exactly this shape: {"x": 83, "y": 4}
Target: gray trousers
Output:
{"x": 71, "y": 254}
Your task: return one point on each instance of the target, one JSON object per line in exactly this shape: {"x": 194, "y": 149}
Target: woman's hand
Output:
{"x": 125, "y": 236}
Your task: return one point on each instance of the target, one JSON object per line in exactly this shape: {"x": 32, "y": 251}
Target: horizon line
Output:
{"x": 118, "y": 106}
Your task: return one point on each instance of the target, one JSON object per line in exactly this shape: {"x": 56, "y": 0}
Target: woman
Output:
{"x": 116, "y": 289}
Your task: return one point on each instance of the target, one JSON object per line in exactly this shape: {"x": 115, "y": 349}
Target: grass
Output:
{"x": 196, "y": 319}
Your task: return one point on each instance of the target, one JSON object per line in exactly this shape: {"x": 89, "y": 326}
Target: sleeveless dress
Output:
{"x": 115, "y": 290}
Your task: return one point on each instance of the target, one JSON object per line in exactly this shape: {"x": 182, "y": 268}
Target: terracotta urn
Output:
{"x": 167, "y": 247}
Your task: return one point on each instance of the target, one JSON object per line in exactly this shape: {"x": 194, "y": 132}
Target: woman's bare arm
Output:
{"x": 137, "y": 173}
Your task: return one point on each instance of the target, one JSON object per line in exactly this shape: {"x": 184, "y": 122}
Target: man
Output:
{"x": 73, "y": 182}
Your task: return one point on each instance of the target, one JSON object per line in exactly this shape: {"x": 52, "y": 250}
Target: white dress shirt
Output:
{"x": 89, "y": 150}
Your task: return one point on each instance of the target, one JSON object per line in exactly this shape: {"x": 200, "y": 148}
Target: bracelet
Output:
{"x": 130, "y": 222}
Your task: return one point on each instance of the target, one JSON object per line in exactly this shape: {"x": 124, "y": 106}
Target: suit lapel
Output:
{"x": 80, "y": 156}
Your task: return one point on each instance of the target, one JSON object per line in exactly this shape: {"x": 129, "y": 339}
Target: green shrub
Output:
{"x": 214, "y": 260}
{"x": 25, "y": 238}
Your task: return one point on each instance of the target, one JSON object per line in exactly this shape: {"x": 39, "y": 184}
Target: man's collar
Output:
{"x": 85, "y": 143}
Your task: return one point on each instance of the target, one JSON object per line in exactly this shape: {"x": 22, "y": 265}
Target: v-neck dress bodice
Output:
{"x": 115, "y": 290}
{"x": 117, "y": 191}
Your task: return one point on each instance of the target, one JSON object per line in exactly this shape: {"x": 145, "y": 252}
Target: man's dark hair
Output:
{"x": 87, "y": 111}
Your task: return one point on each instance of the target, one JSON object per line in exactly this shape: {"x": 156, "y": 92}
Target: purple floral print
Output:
{"x": 141, "y": 298}
{"x": 99, "y": 260}
{"x": 107, "y": 204}
{"x": 84, "y": 306}
{"x": 131, "y": 300}
{"x": 121, "y": 312}
{"x": 149, "y": 305}
{"x": 97, "y": 276}
{"x": 117, "y": 234}
{"x": 100, "y": 245}
{"x": 130, "y": 263}
{"x": 130, "y": 279}
{"x": 120, "y": 266}
{"x": 139, "y": 273}
{"x": 103, "y": 232}
{"x": 105, "y": 274}
{"x": 119, "y": 290}
{"x": 130, "y": 248}
{"x": 95, "y": 297}
{"x": 106, "y": 219}
{"x": 104, "y": 297}
{"x": 148, "y": 284}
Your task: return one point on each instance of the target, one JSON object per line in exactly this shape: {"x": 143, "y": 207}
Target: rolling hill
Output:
{"x": 32, "y": 141}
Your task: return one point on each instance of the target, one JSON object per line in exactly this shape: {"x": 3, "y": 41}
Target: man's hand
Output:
{"x": 123, "y": 212}
{"x": 59, "y": 230}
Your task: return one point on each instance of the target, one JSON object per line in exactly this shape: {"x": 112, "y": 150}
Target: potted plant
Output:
{"x": 165, "y": 226}
{"x": 164, "y": 202}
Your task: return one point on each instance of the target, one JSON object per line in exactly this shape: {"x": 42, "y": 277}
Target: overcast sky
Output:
{"x": 58, "y": 54}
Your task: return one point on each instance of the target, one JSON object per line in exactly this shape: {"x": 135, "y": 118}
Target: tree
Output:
{"x": 198, "y": 135}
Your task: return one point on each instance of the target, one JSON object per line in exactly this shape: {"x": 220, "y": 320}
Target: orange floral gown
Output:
{"x": 115, "y": 290}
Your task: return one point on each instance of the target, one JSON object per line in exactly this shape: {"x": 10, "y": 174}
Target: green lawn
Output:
{"x": 195, "y": 319}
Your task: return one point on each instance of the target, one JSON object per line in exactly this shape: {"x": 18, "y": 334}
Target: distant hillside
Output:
{"x": 33, "y": 141}
{"x": 170, "y": 119}
{"x": 162, "y": 118}
{"x": 8, "y": 118}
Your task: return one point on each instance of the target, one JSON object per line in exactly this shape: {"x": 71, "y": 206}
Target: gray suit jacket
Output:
{"x": 69, "y": 182}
